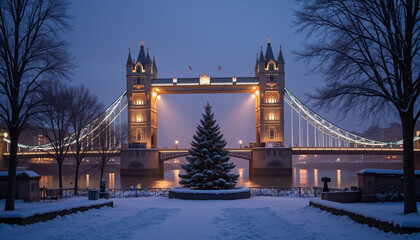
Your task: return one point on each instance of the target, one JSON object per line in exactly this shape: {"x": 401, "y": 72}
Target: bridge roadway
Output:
{"x": 243, "y": 153}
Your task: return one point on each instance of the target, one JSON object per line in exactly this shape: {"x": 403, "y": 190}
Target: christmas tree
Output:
{"x": 209, "y": 166}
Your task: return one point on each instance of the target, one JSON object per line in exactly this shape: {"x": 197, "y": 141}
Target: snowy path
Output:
{"x": 258, "y": 218}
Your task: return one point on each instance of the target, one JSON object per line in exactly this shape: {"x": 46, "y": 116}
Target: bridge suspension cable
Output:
{"x": 329, "y": 134}
{"x": 108, "y": 116}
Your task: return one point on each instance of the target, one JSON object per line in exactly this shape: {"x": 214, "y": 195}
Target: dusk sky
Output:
{"x": 200, "y": 34}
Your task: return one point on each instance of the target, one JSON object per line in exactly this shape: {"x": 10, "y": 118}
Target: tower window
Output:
{"x": 139, "y": 118}
{"x": 138, "y": 81}
{"x": 271, "y": 100}
{"x": 271, "y": 78}
{"x": 271, "y": 67}
{"x": 272, "y": 133}
{"x": 271, "y": 116}
{"x": 140, "y": 135}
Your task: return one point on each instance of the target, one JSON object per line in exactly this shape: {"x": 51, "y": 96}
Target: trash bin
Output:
{"x": 93, "y": 194}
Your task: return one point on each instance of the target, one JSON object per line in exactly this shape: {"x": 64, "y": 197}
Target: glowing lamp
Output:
{"x": 154, "y": 94}
{"x": 5, "y": 135}
{"x": 158, "y": 97}
{"x": 257, "y": 92}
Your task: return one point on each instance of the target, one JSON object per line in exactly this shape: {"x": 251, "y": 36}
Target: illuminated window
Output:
{"x": 271, "y": 116}
{"x": 270, "y": 100}
{"x": 138, "y": 102}
{"x": 139, "y": 118}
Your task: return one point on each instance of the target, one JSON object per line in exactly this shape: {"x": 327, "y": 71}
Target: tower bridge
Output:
{"x": 144, "y": 88}
{"x": 269, "y": 155}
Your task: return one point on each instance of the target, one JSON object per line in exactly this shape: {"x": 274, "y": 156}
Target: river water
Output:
{"x": 302, "y": 176}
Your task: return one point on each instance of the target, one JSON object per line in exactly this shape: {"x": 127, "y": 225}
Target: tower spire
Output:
{"x": 154, "y": 63}
{"x": 280, "y": 58}
{"x": 148, "y": 60}
{"x": 261, "y": 55}
{"x": 142, "y": 56}
{"x": 269, "y": 52}
{"x": 129, "y": 59}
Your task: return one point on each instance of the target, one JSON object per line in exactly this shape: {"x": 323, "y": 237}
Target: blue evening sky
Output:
{"x": 200, "y": 34}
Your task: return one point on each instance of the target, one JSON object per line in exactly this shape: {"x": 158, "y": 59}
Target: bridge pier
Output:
{"x": 271, "y": 162}
{"x": 142, "y": 162}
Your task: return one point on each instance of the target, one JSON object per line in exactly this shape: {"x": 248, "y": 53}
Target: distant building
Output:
{"x": 390, "y": 134}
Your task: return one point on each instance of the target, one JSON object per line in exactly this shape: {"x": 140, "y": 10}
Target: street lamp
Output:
{"x": 176, "y": 144}
{"x": 240, "y": 143}
{"x": 5, "y": 135}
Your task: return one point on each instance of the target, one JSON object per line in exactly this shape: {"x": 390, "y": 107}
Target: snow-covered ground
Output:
{"x": 391, "y": 212}
{"x": 23, "y": 209}
{"x": 162, "y": 218}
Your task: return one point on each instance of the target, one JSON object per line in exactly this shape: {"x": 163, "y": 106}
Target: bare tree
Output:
{"x": 53, "y": 120}
{"x": 84, "y": 108}
{"x": 368, "y": 51}
{"x": 108, "y": 143}
{"x": 31, "y": 49}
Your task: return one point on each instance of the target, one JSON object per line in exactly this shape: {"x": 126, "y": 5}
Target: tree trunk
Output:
{"x": 102, "y": 173}
{"x": 76, "y": 178}
{"x": 408, "y": 163}
{"x": 60, "y": 174}
{"x": 11, "y": 179}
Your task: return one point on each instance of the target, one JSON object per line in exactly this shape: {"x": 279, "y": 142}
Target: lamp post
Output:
{"x": 176, "y": 144}
{"x": 240, "y": 143}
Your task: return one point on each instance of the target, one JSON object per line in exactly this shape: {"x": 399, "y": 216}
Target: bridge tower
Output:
{"x": 142, "y": 157}
{"x": 142, "y": 115}
{"x": 269, "y": 157}
{"x": 269, "y": 105}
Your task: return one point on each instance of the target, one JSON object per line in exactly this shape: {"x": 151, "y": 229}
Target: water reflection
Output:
{"x": 338, "y": 178}
{"x": 176, "y": 175}
{"x": 46, "y": 180}
{"x": 111, "y": 181}
{"x": 301, "y": 177}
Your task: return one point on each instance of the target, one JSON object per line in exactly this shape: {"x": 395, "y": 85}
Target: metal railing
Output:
{"x": 138, "y": 192}
{"x": 272, "y": 191}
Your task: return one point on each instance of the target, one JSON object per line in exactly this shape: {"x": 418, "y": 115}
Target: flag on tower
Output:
{"x": 220, "y": 68}
{"x": 190, "y": 68}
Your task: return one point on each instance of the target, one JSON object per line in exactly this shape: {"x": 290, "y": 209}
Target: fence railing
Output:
{"x": 273, "y": 191}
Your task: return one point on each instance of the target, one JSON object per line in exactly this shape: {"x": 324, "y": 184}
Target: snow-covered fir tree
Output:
{"x": 209, "y": 166}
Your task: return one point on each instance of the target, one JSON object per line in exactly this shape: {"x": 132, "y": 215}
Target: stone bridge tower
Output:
{"x": 142, "y": 101}
{"x": 269, "y": 105}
